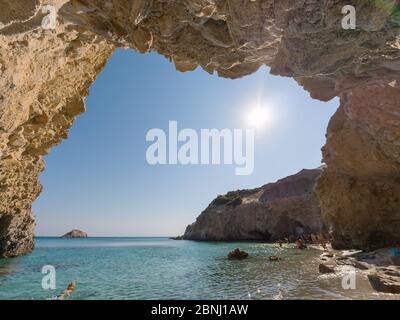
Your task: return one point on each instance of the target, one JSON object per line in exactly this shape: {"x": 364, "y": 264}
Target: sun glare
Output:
{"x": 258, "y": 117}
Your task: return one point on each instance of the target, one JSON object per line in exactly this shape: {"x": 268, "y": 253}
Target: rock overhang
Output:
{"x": 46, "y": 74}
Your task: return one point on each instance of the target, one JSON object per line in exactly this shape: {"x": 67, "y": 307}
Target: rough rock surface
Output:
{"x": 326, "y": 268}
{"x": 377, "y": 266}
{"x": 75, "y": 234}
{"x": 45, "y": 76}
{"x": 286, "y": 208}
{"x": 386, "y": 280}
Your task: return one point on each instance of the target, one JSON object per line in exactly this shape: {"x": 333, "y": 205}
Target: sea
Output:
{"x": 161, "y": 268}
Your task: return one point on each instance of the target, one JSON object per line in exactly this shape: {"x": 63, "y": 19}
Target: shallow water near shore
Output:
{"x": 160, "y": 268}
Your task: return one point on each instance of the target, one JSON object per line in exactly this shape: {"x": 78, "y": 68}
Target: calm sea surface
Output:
{"x": 159, "y": 268}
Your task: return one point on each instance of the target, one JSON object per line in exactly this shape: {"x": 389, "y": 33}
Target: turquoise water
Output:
{"x": 159, "y": 268}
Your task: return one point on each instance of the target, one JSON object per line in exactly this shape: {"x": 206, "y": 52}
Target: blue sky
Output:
{"x": 98, "y": 180}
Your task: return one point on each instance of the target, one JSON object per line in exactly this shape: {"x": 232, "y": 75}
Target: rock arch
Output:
{"x": 45, "y": 76}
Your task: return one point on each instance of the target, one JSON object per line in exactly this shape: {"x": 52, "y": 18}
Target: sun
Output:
{"x": 258, "y": 117}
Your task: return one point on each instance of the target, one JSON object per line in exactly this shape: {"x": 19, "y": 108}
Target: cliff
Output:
{"x": 287, "y": 208}
{"x": 45, "y": 76}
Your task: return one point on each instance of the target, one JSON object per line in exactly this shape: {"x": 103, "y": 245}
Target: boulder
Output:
{"x": 274, "y": 258}
{"x": 326, "y": 268}
{"x": 395, "y": 260}
{"x": 361, "y": 265}
{"x": 386, "y": 279}
{"x": 237, "y": 254}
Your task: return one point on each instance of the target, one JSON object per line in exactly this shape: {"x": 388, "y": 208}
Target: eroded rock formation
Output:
{"x": 45, "y": 76}
{"x": 381, "y": 267}
{"x": 287, "y": 208}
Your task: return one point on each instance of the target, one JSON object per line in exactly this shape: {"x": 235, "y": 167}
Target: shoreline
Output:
{"x": 294, "y": 266}
{"x": 380, "y": 267}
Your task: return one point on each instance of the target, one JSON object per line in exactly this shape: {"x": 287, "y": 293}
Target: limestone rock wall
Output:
{"x": 360, "y": 189}
{"x": 45, "y": 76}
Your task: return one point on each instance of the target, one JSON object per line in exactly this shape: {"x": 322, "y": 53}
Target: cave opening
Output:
{"x": 100, "y": 179}
{"x": 102, "y": 165}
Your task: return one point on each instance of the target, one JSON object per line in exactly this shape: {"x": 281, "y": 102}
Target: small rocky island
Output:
{"x": 75, "y": 234}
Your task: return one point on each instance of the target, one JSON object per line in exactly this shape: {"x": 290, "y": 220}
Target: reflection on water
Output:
{"x": 159, "y": 268}
{"x": 7, "y": 266}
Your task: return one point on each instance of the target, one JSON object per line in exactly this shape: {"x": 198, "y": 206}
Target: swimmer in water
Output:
{"x": 67, "y": 292}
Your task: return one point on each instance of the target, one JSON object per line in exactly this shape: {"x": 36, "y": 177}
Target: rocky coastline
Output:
{"x": 287, "y": 213}
{"x": 287, "y": 209}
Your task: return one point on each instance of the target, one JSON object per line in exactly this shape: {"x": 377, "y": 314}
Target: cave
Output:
{"x": 46, "y": 74}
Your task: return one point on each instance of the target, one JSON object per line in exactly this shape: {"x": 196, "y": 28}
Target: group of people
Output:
{"x": 301, "y": 242}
